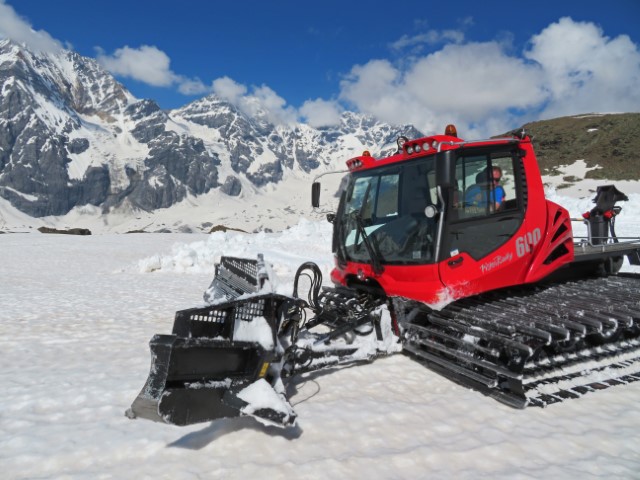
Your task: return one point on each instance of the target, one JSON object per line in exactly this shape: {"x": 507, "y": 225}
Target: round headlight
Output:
{"x": 410, "y": 149}
{"x": 418, "y": 148}
{"x": 430, "y": 211}
{"x": 435, "y": 144}
{"x": 425, "y": 146}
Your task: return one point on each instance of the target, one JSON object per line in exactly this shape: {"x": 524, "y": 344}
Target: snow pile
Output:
{"x": 256, "y": 330}
{"x": 283, "y": 251}
{"x": 260, "y": 395}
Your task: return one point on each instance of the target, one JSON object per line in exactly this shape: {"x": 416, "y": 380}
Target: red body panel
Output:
{"x": 558, "y": 236}
{"x": 418, "y": 282}
{"x": 542, "y": 243}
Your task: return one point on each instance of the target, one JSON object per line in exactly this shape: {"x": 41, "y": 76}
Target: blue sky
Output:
{"x": 486, "y": 65}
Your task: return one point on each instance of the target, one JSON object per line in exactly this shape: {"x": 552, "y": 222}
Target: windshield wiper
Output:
{"x": 372, "y": 250}
{"x": 359, "y": 213}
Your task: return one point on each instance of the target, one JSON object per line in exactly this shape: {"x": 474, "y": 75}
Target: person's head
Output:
{"x": 497, "y": 174}
{"x": 484, "y": 177}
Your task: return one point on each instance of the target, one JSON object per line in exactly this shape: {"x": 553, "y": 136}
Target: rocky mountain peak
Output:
{"x": 75, "y": 136}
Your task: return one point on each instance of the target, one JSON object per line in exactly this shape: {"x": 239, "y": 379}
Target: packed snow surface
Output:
{"x": 77, "y": 314}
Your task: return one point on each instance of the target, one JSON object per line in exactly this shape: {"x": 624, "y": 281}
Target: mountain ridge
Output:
{"x": 76, "y": 146}
{"x": 608, "y": 143}
{"x": 75, "y": 136}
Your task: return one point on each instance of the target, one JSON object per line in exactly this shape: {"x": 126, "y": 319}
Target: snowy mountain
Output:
{"x": 72, "y": 137}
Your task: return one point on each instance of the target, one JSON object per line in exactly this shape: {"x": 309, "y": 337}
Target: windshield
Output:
{"x": 385, "y": 208}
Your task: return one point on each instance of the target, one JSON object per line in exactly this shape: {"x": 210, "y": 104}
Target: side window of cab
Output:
{"x": 486, "y": 208}
{"x": 486, "y": 186}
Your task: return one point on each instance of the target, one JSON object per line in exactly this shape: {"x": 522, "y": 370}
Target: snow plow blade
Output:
{"x": 220, "y": 361}
{"x": 232, "y": 357}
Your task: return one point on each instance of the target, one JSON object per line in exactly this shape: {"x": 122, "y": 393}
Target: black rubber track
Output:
{"x": 510, "y": 343}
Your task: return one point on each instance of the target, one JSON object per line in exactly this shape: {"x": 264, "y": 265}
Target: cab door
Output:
{"x": 478, "y": 244}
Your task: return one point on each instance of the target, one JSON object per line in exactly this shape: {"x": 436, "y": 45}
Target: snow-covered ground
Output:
{"x": 76, "y": 316}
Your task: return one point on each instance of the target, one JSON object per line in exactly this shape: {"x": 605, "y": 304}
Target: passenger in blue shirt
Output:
{"x": 478, "y": 194}
{"x": 497, "y": 188}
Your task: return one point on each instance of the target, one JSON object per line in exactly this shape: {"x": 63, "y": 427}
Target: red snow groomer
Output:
{"x": 447, "y": 251}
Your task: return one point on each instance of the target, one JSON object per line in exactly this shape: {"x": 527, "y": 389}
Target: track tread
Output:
{"x": 540, "y": 332}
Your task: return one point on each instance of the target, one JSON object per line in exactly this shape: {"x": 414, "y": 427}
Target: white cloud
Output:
{"x": 191, "y": 86}
{"x": 321, "y": 113}
{"x": 466, "y": 84}
{"x": 229, "y": 89}
{"x": 586, "y": 71}
{"x": 19, "y": 30}
{"x": 261, "y": 102}
{"x": 150, "y": 65}
{"x": 475, "y": 79}
{"x": 569, "y": 68}
{"x": 265, "y": 100}
{"x": 146, "y": 64}
{"x": 377, "y": 88}
{"x": 431, "y": 37}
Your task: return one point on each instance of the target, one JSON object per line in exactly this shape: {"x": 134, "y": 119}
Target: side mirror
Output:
{"x": 446, "y": 168}
{"x": 315, "y": 195}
